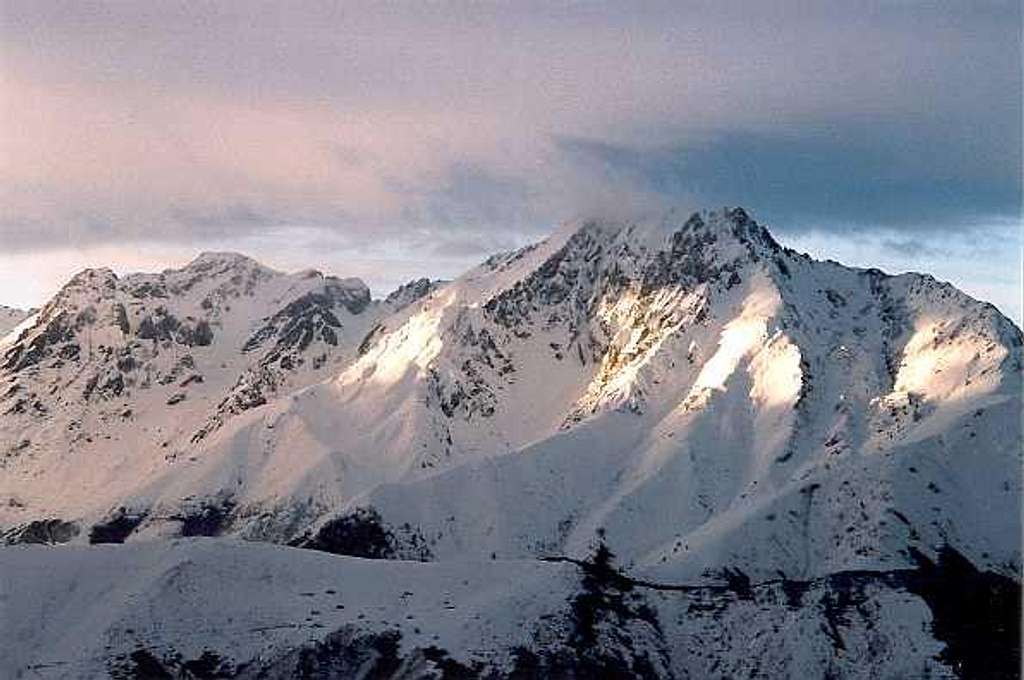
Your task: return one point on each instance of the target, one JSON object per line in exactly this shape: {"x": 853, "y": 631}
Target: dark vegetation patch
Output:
{"x": 117, "y": 527}
{"x": 345, "y": 653}
{"x": 613, "y": 632}
{"x": 449, "y": 668}
{"x": 618, "y": 655}
{"x": 209, "y": 665}
{"x": 209, "y": 517}
{"x": 609, "y": 616}
{"x": 142, "y": 664}
{"x": 201, "y": 335}
{"x": 41, "y": 532}
{"x": 148, "y": 289}
{"x": 120, "y": 315}
{"x": 976, "y": 613}
{"x": 362, "y": 533}
{"x": 610, "y": 631}
{"x": 160, "y": 325}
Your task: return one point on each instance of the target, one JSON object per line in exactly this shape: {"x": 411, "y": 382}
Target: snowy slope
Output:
{"x": 10, "y": 318}
{"x": 806, "y": 418}
{"x": 117, "y": 378}
{"x": 703, "y": 395}
{"x": 716, "y": 407}
{"x": 187, "y": 609}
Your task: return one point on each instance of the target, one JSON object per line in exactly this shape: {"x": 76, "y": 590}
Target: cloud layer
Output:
{"x": 454, "y": 130}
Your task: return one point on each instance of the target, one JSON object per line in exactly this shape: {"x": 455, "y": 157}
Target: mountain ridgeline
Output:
{"x": 757, "y": 436}
{"x": 11, "y": 317}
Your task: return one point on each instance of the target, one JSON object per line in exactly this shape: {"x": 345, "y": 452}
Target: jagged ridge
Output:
{"x": 700, "y": 396}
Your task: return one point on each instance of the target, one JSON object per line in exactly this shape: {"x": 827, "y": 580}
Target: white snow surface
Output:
{"x": 83, "y": 611}
{"x": 10, "y": 318}
{"x": 695, "y": 393}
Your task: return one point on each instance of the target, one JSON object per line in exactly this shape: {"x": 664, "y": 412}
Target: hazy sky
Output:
{"x": 390, "y": 140}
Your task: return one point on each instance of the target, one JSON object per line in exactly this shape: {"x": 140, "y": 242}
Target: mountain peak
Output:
{"x": 91, "y": 276}
{"x": 657, "y": 232}
{"x": 212, "y": 259}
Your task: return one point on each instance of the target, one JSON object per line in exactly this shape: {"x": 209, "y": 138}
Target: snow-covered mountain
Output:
{"x": 11, "y": 317}
{"x": 132, "y": 373}
{"x": 757, "y": 436}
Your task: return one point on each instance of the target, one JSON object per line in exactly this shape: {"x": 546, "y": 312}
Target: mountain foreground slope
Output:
{"x": 794, "y": 463}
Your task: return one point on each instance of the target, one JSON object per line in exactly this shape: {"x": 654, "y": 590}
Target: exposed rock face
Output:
{"x": 411, "y": 292}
